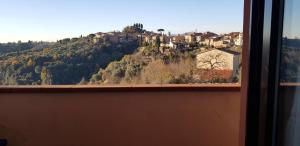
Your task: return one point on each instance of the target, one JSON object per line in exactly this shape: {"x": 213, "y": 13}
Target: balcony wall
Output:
{"x": 151, "y": 118}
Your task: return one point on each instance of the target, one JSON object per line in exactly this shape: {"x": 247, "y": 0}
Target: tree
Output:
{"x": 161, "y": 31}
{"x": 55, "y": 56}
{"x": 46, "y": 51}
{"x": 74, "y": 39}
{"x": 97, "y": 77}
{"x": 46, "y": 76}
{"x": 142, "y": 26}
{"x": 91, "y": 35}
{"x": 211, "y": 67}
{"x": 212, "y": 61}
{"x": 64, "y": 41}
{"x": 164, "y": 40}
{"x": 135, "y": 28}
{"x": 157, "y": 42}
{"x": 30, "y": 62}
{"x": 38, "y": 69}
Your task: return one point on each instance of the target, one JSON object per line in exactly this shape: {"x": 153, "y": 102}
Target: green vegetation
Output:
{"x": 15, "y": 48}
{"x": 149, "y": 66}
{"x": 136, "y": 28}
{"x": 67, "y": 61}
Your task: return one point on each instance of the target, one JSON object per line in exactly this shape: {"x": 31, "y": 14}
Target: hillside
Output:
{"x": 22, "y": 46}
{"x": 150, "y": 66}
{"x": 67, "y": 61}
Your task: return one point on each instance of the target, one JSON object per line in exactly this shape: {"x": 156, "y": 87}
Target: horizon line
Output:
{"x": 86, "y": 34}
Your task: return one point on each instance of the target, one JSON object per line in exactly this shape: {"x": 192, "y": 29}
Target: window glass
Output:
{"x": 120, "y": 42}
{"x": 289, "y": 94}
{"x": 290, "y": 64}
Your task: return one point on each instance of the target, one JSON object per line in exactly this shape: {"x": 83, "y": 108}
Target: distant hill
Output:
{"x": 295, "y": 43}
{"x": 21, "y": 46}
{"x": 67, "y": 61}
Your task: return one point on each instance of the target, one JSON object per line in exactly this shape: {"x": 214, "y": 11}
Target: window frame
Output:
{"x": 261, "y": 87}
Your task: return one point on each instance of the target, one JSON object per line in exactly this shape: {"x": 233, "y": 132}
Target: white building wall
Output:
{"x": 239, "y": 41}
{"x": 226, "y": 59}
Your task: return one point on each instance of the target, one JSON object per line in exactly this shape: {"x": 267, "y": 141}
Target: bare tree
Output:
{"x": 212, "y": 62}
{"x": 211, "y": 66}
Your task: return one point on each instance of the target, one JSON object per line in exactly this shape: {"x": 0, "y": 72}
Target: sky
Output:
{"x": 51, "y": 20}
{"x": 291, "y": 28}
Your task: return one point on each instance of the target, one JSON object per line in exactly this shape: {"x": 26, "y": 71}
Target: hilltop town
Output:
{"x": 165, "y": 40}
{"x": 212, "y": 57}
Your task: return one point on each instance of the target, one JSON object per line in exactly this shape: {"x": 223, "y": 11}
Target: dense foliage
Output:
{"x": 135, "y": 28}
{"x": 68, "y": 61}
{"x": 21, "y": 46}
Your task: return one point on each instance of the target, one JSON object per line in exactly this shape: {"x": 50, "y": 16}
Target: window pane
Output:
{"x": 121, "y": 42}
{"x": 289, "y": 94}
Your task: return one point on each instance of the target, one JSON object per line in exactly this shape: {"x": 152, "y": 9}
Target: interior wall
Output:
{"x": 121, "y": 119}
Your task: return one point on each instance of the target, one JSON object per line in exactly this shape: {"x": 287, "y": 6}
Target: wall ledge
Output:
{"x": 134, "y": 88}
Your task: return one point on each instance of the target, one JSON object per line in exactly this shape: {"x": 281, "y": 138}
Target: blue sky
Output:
{"x": 50, "y": 20}
{"x": 292, "y": 19}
